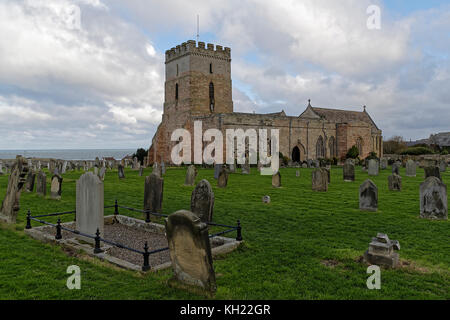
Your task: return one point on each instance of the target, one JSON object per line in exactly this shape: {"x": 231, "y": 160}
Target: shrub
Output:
{"x": 353, "y": 153}
{"x": 417, "y": 151}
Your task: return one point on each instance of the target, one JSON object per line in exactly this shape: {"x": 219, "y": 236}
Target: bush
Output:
{"x": 444, "y": 152}
{"x": 372, "y": 155}
{"x": 140, "y": 154}
{"x": 415, "y": 151}
{"x": 353, "y": 153}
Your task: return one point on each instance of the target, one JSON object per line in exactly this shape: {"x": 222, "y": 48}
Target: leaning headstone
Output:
{"x": 432, "y": 171}
{"x": 41, "y": 184}
{"x": 276, "y": 180}
{"x": 190, "y": 175}
{"x": 101, "y": 173}
{"x": 217, "y": 169}
{"x": 442, "y": 165}
{"x": 120, "y": 172}
{"x": 190, "y": 250}
{"x": 395, "y": 182}
{"x": 56, "y": 187}
{"x": 10, "y": 205}
{"x": 222, "y": 180}
{"x": 382, "y": 251}
{"x": 202, "y": 201}
{"x": 374, "y": 167}
{"x": 89, "y": 206}
{"x": 319, "y": 180}
{"x": 433, "y": 199}
{"x": 349, "y": 171}
{"x": 153, "y": 193}
{"x": 410, "y": 168}
{"x": 368, "y": 196}
{"x": 29, "y": 185}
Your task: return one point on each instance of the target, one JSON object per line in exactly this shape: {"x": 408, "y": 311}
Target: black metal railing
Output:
{"x": 97, "y": 239}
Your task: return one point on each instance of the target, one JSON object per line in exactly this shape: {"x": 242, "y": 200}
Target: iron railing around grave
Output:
{"x": 97, "y": 248}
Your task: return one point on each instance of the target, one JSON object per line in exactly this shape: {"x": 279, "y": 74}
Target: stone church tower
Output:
{"x": 198, "y": 88}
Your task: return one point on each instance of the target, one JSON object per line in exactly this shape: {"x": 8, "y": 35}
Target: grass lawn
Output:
{"x": 303, "y": 245}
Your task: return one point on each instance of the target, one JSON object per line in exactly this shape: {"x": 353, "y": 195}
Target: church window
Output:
{"x": 320, "y": 150}
{"x": 210, "y": 68}
{"x": 176, "y": 91}
{"x": 211, "y": 97}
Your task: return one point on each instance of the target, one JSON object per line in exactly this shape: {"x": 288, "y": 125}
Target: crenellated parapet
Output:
{"x": 201, "y": 49}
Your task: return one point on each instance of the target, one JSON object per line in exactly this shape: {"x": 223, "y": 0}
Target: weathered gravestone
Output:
{"x": 383, "y": 164}
{"x": 56, "y": 187}
{"x": 368, "y": 196}
{"x": 349, "y": 171}
{"x": 396, "y": 167}
{"x": 29, "y": 185}
{"x": 190, "y": 250}
{"x": 222, "y": 180}
{"x": 120, "y": 171}
{"x": 433, "y": 199}
{"x": 191, "y": 174}
{"x": 374, "y": 167}
{"x": 202, "y": 201}
{"x": 153, "y": 193}
{"x": 276, "y": 180}
{"x": 157, "y": 169}
{"x": 163, "y": 168}
{"x": 328, "y": 170}
{"x": 89, "y": 206}
{"x": 395, "y": 182}
{"x": 297, "y": 173}
{"x": 101, "y": 173}
{"x": 10, "y": 205}
{"x": 319, "y": 179}
{"x": 217, "y": 169}
{"x": 41, "y": 184}
{"x": 442, "y": 166}
{"x": 245, "y": 168}
{"x": 432, "y": 171}
{"x": 410, "y": 168}
{"x": 382, "y": 251}
{"x": 96, "y": 171}
{"x": 141, "y": 171}
{"x": 232, "y": 168}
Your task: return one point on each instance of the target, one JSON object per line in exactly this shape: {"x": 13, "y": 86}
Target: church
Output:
{"x": 198, "y": 88}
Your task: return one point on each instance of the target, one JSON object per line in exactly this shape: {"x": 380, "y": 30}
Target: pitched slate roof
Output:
{"x": 442, "y": 139}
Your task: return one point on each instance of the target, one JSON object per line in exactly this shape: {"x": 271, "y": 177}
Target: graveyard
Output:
{"x": 301, "y": 244}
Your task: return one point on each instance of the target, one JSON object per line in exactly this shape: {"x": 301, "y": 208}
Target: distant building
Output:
{"x": 442, "y": 140}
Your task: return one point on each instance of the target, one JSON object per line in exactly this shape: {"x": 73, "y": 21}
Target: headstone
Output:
{"x": 433, "y": 199}
{"x": 266, "y": 199}
{"x": 276, "y": 180}
{"x": 157, "y": 169}
{"x": 141, "y": 171}
{"x": 10, "y": 205}
{"x": 232, "y": 168}
{"x": 395, "y": 182}
{"x": 410, "y": 168}
{"x": 297, "y": 173}
{"x": 432, "y": 171}
{"x": 374, "y": 167}
{"x": 245, "y": 168}
{"x": 383, "y": 164}
{"x": 217, "y": 169}
{"x": 29, "y": 185}
{"x": 96, "y": 170}
{"x": 190, "y": 250}
{"x": 56, "y": 187}
{"x": 163, "y": 168}
{"x": 202, "y": 201}
{"x": 153, "y": 193}
{"x": 396, "y": 167}
{"x": 101, "y": 173}
{"x": 349, "y": 171}
{"x": 442, "y": 165}
{"x": 222, "y": 180}
{"x": 319, "y": 180}
{"x": 90, "y": 206}
{"x": 64, "y": 167}
{"x": 368, "y": 196}
{"x": 328, "y": 170}
{"x": 120, "y": 172}
{"x": 191, "y": 174}
{"x": 382, "y": 251}
{"x": 41, "y": 183}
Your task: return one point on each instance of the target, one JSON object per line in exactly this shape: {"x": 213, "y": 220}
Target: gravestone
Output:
{"x": 120, "y": 171}
{"x": 382, "y": 251}
{"x": 10, "y": 205}
{"x": 217, "y": 169}
{"x": 374, "y": 167}
{"x": 349, "y": 171}
{"x": 163, "y": 168}
{"x": 266, "y": 199}
{"x": 41, "y": 183}
{"x": 191, "y": 174}
{"x": 157, "y": 169}
{"x": 153, "y": 193}
{"x": 101, "y": 173}
{"x": 328, "y": 170}
{"x": 383, "y": 164}
{"x": 245, "y": 168}
{"x": 410, "y": 168}
{"x": 89, "y": 206}
{"x": 442, "y": 166}
{"x": 319, "y": 180}
{"x": 297, "y": 173}
{"x": 232, "y": 168}
{"x": 64, "y": 167}
{"x": 202, "y": 201}
{"x": 222, "y": 180}
{"x": 29, "y": 185}
{"x": 276, "y": 180}
{"x": 433, "y": 199}
{"x": 190, "y": 250}
{"x": 56, "y": 187}
{"x": 96, "y": 171}
{"x": 141, "y": 171}
{"x": 395, "y": 182}
{"x": 368, "y": 196}
{"x": 432, "y": 171}
{"x": 396, "y": 167}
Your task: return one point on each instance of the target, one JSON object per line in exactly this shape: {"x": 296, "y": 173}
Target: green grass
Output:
{"x": 286, "y": 241}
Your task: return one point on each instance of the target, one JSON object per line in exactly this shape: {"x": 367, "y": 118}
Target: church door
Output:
{"x": 296, "y": 154}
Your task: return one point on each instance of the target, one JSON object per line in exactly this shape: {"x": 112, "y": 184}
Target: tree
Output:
{"x": 140, "y": 154}
{"x": 353, "y": 153}
{"x": 394, "y": 145}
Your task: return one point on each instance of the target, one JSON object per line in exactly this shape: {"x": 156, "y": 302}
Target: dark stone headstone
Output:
{"x": 222, "y": 180}
{"x": 432, "y": 171}
{"x": 41, "y": 183}
{"x": 121, "y": 172}
{"x": 349, "y": 171}
{"x": 29, "y": 185}
{"x": 368, "y": 196}
{"x": 153, "y": 193}
{"x": 217, "y": 169}
{"x": 395, "y": 182}
{"x": 202, "y": 201}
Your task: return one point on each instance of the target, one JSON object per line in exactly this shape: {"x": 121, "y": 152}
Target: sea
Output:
{"x": 68, "y": 154}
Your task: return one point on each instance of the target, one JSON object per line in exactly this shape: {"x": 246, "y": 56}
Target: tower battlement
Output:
{"x": 200, "y": 48}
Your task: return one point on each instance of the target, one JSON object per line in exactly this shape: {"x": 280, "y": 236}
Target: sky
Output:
{"x": 90, "y": 73}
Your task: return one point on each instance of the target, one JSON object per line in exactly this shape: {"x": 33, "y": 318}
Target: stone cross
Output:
{"x": 433, "y": 199}
{"x": 202, "y": 201}
{"x": 368, "y": 196}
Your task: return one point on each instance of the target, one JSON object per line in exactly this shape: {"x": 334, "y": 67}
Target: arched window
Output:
{"x": 176, "y": 91}
{"x": 332, "y": 147}
{"x": 211, "y": 97}
{"x": 320, "y": 150}
{"x": 359, "y": 145}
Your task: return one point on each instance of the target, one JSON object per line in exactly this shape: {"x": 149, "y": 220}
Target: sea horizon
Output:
{"x": 66, "y": 154}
